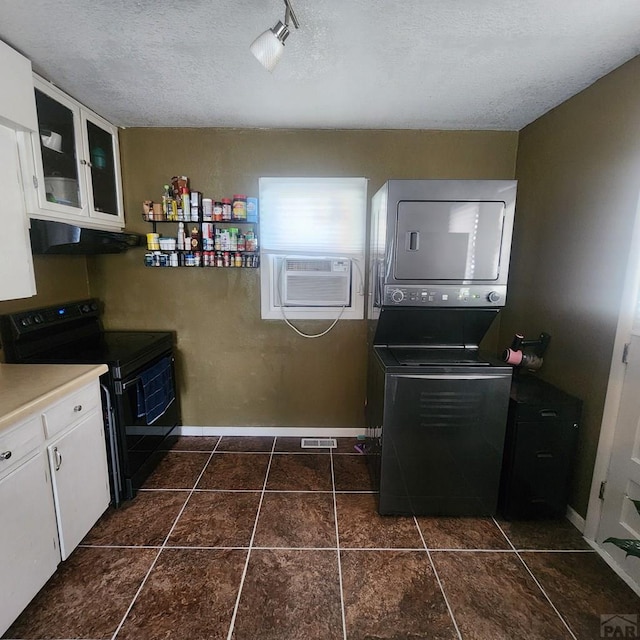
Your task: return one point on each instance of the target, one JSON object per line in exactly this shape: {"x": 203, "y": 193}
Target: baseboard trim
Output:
{"x": 575, "y": 519}
{"x": 294, "y": 432}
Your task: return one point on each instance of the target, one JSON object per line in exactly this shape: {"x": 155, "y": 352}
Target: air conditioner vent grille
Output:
{"x": 305, "y": 281}
{"x": 309, "y": 290}
{"x": 308, "y": 265}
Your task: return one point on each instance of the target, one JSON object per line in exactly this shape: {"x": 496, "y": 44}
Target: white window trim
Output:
{"x": 271, "y": 310}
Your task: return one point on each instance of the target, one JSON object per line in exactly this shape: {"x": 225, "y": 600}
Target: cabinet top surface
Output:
{"x": 28, "y": 388}
{"x": 529, "y": 390}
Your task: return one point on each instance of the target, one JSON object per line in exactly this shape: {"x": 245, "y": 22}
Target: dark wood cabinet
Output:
{"x": 540, "y": 446}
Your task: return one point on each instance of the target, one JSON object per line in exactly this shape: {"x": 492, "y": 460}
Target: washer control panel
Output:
{"x": 444, "y": 296}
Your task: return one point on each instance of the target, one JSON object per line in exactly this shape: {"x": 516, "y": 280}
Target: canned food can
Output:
{"x": 153, "y": 241}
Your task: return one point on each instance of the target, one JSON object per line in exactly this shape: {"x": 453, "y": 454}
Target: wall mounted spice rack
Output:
{"x": 209, "y": 234}
{"x": 213, "y": 244}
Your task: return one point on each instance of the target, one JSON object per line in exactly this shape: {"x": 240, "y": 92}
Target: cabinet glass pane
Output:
{"x": 58, "y": 144}
{"x": 103, "y": 172}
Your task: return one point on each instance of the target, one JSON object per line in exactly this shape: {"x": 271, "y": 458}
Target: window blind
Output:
{"x": 313, "y": 215}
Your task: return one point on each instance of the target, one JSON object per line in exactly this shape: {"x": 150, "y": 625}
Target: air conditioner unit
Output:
{"x": 305, "y": 281}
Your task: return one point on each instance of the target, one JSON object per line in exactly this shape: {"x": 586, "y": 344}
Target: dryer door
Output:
{"x": 448, "y": 240}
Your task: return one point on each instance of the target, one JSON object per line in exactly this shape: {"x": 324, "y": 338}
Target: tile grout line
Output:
{"x": 160, "y": 550}
{"x": 544, "y": 593}
{"x": 335, "y": 517}
{"x": 435, "y": 572}
{"x": 253, "y": 535}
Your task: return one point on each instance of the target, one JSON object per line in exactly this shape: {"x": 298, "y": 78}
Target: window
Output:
{"x": 312, "y": 234}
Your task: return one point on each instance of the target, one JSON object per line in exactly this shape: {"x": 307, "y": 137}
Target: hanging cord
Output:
{"x": 284, "y": 315}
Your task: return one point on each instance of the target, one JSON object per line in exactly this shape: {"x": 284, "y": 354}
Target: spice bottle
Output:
{"x": 186, "y": 204}
{"x": 195, "y": 239}
{"x": 169, "y": 204}
{"x": 226, "y": 209}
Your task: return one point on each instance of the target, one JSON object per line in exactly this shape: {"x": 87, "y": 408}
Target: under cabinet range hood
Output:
{"x": 59, "y": 238}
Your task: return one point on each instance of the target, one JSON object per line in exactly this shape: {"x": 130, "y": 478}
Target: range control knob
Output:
{"x": 397, "y": 295}
{"x": 494, "y": 296}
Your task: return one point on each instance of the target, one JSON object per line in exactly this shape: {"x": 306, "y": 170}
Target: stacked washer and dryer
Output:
{"x": 436, "y": 404}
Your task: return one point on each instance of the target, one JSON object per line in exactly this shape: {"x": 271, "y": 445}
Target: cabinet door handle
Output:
{"x": 5, "y": 455}
{"x": 77, "y": 408}
{"x": 548, "y": 413}
{"x": 58, "y": 457}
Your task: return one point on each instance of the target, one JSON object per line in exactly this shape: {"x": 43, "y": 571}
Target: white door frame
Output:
{"x": 616, "y": 379}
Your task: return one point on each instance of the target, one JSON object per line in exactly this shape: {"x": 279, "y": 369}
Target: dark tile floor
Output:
{"x": 256, "y": 539}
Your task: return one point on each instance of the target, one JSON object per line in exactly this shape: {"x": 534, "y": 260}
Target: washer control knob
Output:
{"x": 494, "y": 296}
{"x": 397, "y": 295}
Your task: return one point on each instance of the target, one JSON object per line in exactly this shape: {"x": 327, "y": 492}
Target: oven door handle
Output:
{"x": 454, "y": 376}
{"x": 128, "y": 383}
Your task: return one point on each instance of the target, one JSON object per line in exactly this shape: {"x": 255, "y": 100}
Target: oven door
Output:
{"x": 140, "y": 439}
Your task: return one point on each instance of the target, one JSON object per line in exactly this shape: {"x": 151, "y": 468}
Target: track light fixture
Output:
{"x": 268, "y": 47}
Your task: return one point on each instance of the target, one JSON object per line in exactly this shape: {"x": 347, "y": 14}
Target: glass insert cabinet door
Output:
{"x": 77, "y": 163}
{"x": 59, "y": 125}
{"x": 103, "y": 167}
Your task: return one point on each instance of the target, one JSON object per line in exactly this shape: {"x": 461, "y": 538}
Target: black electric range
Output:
{"x": 72, "y": 333}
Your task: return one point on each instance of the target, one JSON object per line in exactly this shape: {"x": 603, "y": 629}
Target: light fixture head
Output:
{"x": 268, "y": 47}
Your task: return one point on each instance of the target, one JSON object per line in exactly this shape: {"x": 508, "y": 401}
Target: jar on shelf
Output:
{"x": 251, "y": 242}
{"x": 239, "y": 207}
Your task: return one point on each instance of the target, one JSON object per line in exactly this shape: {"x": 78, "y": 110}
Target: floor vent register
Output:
{"x": 318, "y": 443}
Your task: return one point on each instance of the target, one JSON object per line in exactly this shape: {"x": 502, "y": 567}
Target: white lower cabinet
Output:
{"x": 78, "y": 465}
{"x": 28, "y": 536}
{"x": 54, "y": 485}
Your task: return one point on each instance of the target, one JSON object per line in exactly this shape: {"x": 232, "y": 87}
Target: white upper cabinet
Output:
{"x": 17, "y": 121}
{"x": 17, "y": 108}
{"x": 17, "y": 278}
{"x": 72, "y": 166}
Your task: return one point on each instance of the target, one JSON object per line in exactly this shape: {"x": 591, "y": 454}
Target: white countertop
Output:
{"x": 28, "y": 388}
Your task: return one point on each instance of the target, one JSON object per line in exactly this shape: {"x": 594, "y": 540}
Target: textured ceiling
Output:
{"x": 379, "y": 64}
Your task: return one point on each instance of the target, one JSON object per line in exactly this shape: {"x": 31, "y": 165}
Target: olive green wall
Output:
{"x": 579, "y": 179}
{"x": 234, "y": 368}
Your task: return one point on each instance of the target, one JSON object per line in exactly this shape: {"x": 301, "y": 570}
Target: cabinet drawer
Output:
{"x": 548, "y": 413}
{"x": 75, "y": 406}
{"x": 19, "y": 442}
